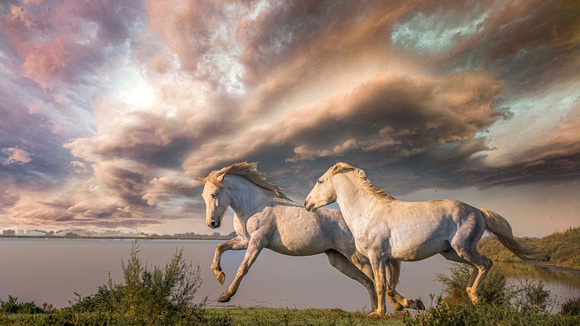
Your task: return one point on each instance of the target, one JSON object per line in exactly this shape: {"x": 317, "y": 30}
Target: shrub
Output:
{"x": 157, "y": 296}
{"x": 485, "y": 314}
{"x": 12, "y": 306}
{"x": 571, "y": 307}
{"x": 494, "y": 290}
{"x": 531, "y": 297}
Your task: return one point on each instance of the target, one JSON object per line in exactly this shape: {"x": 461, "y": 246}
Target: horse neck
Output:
{"x": 350, "y": 196}
{"x": 246, "y": 198}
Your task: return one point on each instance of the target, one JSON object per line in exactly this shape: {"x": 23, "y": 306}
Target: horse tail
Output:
{"x": 502, "y": 230}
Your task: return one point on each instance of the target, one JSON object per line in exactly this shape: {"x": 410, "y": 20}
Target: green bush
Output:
{"x": 485, "y": 314}
{"x": 157, "y": 296}
{"x": 500, "y": 304}
{"x": 571, "y": 307}
{"x": 12, "y": 306}
{"x": 531, "y": 297}
{"x": 527, "y": 297}
{"x": 494, "y": 290}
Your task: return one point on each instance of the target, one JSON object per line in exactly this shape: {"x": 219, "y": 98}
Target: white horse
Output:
{"x": 266, "y": 218}
{"x": 387, "y": 230}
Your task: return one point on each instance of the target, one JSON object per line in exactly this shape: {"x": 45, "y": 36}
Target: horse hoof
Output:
{"x": 418, "y": 305}
{"x": 377, "y": 314}
{"x": 224, "y": 298}
{"x": 221, "y": 277}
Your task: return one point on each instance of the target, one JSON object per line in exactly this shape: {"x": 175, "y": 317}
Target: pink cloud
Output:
{"x": 16, "y": 155}
{"x": 42, "y": 62}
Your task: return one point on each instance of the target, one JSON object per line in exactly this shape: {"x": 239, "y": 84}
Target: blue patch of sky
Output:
{"x": 438, "y": 32}
{"x": 481, "y": 134}
{"x": 545, "y": 109}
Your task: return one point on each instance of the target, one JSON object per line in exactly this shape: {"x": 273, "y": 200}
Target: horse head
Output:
{"x": 324, "y": 192}
{"x": 217, "y": 199}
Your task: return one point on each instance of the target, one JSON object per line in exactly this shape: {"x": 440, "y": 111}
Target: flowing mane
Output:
{"x": 372, "y": 189}
{"x": 251, "y": 173}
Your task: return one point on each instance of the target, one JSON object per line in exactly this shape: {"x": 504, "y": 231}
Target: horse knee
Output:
{"x": 488, "y": 262}
{"x": 485, "y": 265}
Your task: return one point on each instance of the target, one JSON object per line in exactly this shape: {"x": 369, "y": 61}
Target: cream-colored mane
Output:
{"x": 251, "y": 173}
{"x": 362, "y": 178}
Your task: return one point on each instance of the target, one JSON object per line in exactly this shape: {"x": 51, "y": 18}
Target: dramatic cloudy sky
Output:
{"x": 109, "y": 110}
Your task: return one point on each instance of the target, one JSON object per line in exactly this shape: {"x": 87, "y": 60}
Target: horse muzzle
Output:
{"x": 311, "y": 207}
{"x": 214, "y": 224}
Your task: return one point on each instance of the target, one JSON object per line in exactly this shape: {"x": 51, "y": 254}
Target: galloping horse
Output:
{"x": 387, "y": 230}
{"x": 266, "y": 218}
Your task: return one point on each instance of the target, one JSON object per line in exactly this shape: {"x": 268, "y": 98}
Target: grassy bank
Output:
{"x": 222, "y": 316}
{"x": 442, "y": 314}
{"x": 562, "y": 247}
{"x": 165, "y": 296}
{"x": 269, "y": 316}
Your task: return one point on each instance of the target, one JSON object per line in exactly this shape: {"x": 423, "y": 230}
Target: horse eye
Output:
{"x": 319, "y": 181}
{"x": 214, "y": 195}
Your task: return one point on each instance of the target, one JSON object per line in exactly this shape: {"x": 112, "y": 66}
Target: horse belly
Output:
{"x": 296, "y": 248}
{"x": 303, "y": 243}
{"x": 418, "y": 251}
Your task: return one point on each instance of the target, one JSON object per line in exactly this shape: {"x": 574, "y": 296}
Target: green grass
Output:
{"x": 270, "y": 316}
{"x": 442, "y": 314}
{"x": 221, "y": 316}
{"x": 562, "y": 247}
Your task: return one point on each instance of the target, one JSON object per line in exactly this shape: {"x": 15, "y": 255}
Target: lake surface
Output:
{"x": 52, "y": 270}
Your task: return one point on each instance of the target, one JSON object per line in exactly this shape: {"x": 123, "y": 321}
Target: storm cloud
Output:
{"x": 110, "y": 110}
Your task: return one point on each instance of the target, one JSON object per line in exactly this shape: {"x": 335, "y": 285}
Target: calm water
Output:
{"x": 52, "y": 270}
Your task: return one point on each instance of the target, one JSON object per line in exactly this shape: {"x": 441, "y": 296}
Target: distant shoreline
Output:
{"x": 225, "y": 237}
{"x": 548, "y": 265}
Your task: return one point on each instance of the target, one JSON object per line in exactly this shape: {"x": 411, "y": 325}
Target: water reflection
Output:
{"x": 548, "y": 274}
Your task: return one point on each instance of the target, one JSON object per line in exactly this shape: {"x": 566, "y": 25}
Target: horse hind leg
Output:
{"x": 452, "y": 255}
{"x": 343, "y": 265}
{"x": 482, "y": 266}
{"x": 393, "y": 269}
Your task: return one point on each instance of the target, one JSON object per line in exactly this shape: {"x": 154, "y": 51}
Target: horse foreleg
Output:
{"x": 255, "y": 246}
{"x": 378, "y": 264}
{"x": 362, "y": 263}
{"x": 237, "y": 243}
{"x": 338, "y": 261}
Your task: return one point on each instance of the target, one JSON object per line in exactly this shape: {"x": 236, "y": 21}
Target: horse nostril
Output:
{"x": 213, "y": 224}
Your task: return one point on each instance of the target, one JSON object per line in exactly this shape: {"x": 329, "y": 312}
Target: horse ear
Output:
{"x": 362, "y": 174}
{"x": 254, "y": 166}
{"x": 204, "y": 180}
{"x": 335, "y": 169}
{"x": 219, "y": 181}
